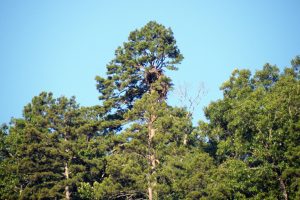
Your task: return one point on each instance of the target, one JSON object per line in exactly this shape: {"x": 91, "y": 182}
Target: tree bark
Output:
{"x": 151, "y": 159}
{"x": 185, "y": 139}
{"x": 283, "y": 189}
{"x": 150, "y": 193}
{"x": 67, "y": 191}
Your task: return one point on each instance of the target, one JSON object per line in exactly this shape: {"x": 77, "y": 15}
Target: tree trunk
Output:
{"x": 283, "y": 189}
{"x": 150, "y": 192}
{"x": 67, "y": 191}
{"x": 185, "y": 139}
{"x": 151, "y": 159}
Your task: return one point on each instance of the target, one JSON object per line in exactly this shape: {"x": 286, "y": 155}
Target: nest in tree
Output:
{"x": 153, "y": 75}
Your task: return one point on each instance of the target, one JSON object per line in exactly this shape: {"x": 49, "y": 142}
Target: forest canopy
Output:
{"x": 134, "y": 145}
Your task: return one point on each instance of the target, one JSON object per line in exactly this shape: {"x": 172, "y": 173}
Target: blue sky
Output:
{"x": 60, "y": 46}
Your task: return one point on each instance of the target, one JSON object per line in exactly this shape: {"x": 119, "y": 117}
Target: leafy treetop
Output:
{"x": 137, "y": 67}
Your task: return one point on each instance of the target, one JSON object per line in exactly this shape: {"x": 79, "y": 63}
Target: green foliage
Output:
{"x": 185, "y": 174}
{"x": 257, "y": 123}
{"x": 136, "y": 146}
{"x": 135, "y": 92}
{"x": 137, "y": 65}
{"x": 8, "y": 179}
{"x": 54, "y": 133}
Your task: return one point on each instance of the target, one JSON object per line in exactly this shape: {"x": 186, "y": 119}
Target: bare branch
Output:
{"x": 188, "y": 98}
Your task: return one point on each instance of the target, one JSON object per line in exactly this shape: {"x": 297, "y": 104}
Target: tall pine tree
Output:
{"x": 55, "y": 146}
{"x": 136, "y": 86}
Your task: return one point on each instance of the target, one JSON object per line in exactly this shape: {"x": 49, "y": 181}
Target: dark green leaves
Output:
{"x": 138, "y": 64}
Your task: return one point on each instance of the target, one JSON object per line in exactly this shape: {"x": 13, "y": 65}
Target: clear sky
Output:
{"x": 60, "y": 45}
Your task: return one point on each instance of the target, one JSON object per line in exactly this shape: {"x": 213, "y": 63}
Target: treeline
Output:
{"x": 133, "y": 145}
